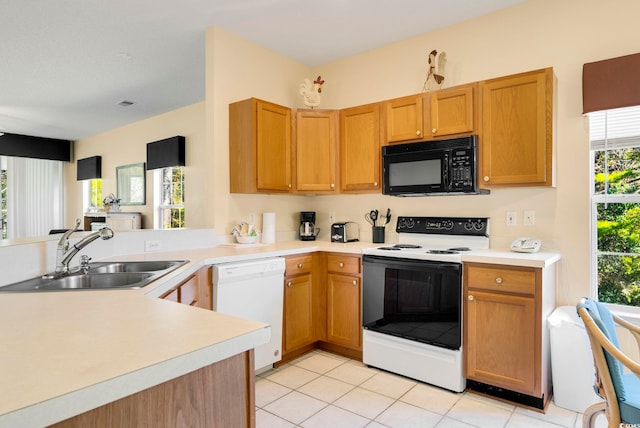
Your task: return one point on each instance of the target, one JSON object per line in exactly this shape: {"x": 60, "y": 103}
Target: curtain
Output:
{"x": 35, "y": 197}
{"x": 611, "y": 83}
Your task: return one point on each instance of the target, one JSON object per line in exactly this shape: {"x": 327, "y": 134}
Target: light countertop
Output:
{"x": 64, "y": 353}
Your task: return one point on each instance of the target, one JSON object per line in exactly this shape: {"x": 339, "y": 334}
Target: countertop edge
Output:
{"x": 90, "y": 397}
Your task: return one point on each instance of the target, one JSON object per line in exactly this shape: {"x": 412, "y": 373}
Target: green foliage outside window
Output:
{"x": 618, "y": 226}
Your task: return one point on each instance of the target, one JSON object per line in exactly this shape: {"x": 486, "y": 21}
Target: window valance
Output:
{"x": 611, "y": 83}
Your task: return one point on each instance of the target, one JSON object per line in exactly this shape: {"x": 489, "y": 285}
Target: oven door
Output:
{"x": 417, "y": 300}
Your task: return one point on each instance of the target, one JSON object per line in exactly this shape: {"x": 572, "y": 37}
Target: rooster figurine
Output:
{"x": 311, "y": 91}
{"x": 435, "y": 75}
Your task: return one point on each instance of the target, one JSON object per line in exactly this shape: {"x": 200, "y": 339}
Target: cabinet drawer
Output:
{"x": 343, "y": 264}
{"x": 502, "y": 279}
{"x": 298, "y": 265}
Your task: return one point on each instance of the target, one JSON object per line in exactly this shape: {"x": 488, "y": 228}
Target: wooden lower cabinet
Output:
{"x": 218, "y": 395}
{"x": 344, "y": 301}
{"x": 194, "y": 291}
{"x": 505, "y": 332}
{"x": 322, "y": 305}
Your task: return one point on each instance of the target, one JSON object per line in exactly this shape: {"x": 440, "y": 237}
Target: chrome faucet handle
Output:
{"x": 84, "y": 264}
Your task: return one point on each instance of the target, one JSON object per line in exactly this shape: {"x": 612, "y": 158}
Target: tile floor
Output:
{"x": 324, "y": 390}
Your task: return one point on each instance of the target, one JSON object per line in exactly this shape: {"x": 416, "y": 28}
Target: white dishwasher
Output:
{"x": 253, "y": 290}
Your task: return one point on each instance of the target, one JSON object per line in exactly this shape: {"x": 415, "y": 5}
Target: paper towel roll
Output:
{"x": 268, "y": 228}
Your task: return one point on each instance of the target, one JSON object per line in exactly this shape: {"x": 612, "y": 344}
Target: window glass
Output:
{"x": 170, "y": 197}
{"x": 615, "y": 146}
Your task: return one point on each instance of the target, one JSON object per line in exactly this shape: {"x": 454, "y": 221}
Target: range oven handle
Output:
{"x": 397, "y": 263}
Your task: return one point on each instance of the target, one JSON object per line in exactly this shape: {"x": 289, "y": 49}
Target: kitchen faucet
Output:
{"x": 64, "y": 254}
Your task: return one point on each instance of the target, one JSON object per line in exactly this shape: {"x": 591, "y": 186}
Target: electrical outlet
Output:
{"x": 152, "y": 245}
{"x": 511, "y": 218}
{"x": 332, "y": 217}
{"x": 529, "y": 218}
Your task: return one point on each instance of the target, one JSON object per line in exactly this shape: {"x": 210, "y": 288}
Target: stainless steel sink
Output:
{"x": 143, "y": 266}
{"x": 101, "y": 276}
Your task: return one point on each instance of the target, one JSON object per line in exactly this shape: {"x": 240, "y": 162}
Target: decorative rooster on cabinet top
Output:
{"x": 435, "y": 75}
{"x": 311, "y": 91}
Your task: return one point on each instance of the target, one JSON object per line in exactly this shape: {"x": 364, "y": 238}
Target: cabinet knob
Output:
{"x": 433, "y": 130}
{"x": 499, "y": 280}
{"x": 418, "y": 132}
{"x": 486, "y": 178}
{"x": 470, "y": 297}
{"x": 333, "y": 186}
{"x": 355, "y": 282}
{"x": 341, "y": 265}
{"x": 299, "y": 265}
{"x": 289, "y": 284}
{"x": 375, "y": 184}
{"x": 289, "y": 186}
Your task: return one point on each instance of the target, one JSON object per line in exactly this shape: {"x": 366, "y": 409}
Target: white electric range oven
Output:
{"x": 412, "y": 298}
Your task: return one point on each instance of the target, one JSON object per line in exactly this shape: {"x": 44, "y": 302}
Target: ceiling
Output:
{"x": 66, "y": 65}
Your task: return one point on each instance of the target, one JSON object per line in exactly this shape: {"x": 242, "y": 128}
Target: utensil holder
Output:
{"x": 378, "y": 234}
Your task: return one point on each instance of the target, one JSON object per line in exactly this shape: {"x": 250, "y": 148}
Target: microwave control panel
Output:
{"x": 462, "y": 169}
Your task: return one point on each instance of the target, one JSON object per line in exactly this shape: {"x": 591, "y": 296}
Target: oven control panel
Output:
{"x": 470, "y": 226}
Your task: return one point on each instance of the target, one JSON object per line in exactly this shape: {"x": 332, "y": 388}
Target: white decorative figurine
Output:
{"x": 435, "y": 75}
{"x": 311, "y": 91}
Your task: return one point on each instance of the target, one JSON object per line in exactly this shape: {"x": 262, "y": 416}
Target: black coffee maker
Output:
{"x": 308, "y": 231}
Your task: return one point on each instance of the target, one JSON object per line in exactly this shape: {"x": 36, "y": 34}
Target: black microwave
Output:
{"x": 431, "y": 167}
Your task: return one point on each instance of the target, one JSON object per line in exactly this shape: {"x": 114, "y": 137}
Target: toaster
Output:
{"x": 345, "y": 232}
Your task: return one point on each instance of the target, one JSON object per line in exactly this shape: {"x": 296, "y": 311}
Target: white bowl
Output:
{"x": 247, "y": 239}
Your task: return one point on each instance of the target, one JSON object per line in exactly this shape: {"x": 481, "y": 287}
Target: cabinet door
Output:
{"x": 273, "y": 147}
{"x": 500, "y": 341}
{"x": 449, "y": 112}
{"x": 360, "y": 150}
{"x": 298, "y": 312}
{"x": 344, "y": 326}
{"x": 403, "y": 119}
{"x": 517, "y": 138}
{"x": 316, "y": 151}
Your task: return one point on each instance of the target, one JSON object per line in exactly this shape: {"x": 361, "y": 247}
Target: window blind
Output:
{"x": 613, "y": 129}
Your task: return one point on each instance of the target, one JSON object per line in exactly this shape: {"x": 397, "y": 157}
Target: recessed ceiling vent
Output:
{"x": 125, "y": 103}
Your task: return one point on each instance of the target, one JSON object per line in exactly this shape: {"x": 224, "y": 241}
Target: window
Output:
{"x": 615, "y": 213}
{"x": 169, "y": 197}
{"x": 92, "y": 190}
{"x": 3, "y": 197}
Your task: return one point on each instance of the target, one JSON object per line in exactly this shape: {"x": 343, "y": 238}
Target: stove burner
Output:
{"x": 407, "y": 246}
{"x": 442, "y": 252}
{"x": 460, "y": 249}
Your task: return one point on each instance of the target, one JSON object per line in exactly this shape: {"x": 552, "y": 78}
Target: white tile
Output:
{"x": 490, "y": 401}
{"x": 374, "y": 424}
{"x": 408, "y": 416}
{"x": 319, "y": 363}
{"x": 480, "y": 413}
{"x": 389, "y": 384}
{"x": 518, "y": 420}
{"x": 555, "y": 414}
{"x": 295, "y": 407}
{"x": 352, "y": 373}
{"x": 267, "y": 391}
{"x": 335, "y": 417}
{"x": 326, "y": 389}
{"x": 267, "y": 420}
{"x": 364, "y": 402}
{"x": 292, "y": 377}
{"x": 431, "y": 398}
{"x": 452, "y": 423}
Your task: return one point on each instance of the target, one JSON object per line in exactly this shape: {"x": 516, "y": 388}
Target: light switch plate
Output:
{"x": 152, "y": 245}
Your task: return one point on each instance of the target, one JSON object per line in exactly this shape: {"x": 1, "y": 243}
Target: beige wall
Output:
{"x": 128, "y": 144}
{"x": 536, "y": 34}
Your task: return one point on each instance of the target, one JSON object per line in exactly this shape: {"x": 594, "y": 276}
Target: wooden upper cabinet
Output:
{"x": 403, "y": 119}
{"x": 450, "y": 112}
{"x": 360, "y": 149}
{"x": 516, "y": 144}
{"x": 316, "y": 151}
{"x": 259, "y": 147}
